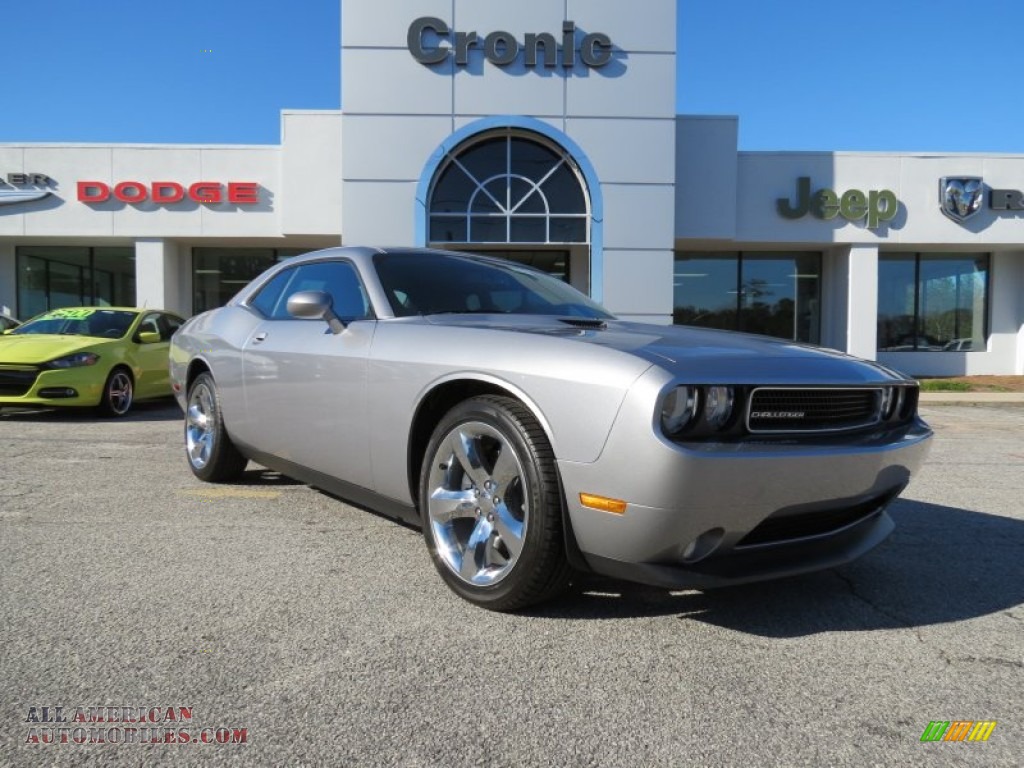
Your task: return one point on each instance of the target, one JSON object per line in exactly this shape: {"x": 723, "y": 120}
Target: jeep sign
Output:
{"x": 876, "y": 206}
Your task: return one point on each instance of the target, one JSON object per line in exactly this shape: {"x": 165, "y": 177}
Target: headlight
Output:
{"x": 678, "y": 408}
{"x": 718, "y": 405}
{"x": 74, "y": 361}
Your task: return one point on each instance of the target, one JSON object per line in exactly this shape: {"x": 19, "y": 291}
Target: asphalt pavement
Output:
{"x": 319, "y": 633}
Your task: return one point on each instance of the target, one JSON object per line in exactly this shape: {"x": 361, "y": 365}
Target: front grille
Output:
{"x": 16, "y": 380}
{"x": 790, "y": 409}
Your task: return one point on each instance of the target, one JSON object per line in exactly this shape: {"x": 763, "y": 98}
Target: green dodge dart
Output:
{"x": 101, "y": 357}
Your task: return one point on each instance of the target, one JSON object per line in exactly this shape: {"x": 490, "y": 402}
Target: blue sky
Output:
{"x": 902, "y": 75}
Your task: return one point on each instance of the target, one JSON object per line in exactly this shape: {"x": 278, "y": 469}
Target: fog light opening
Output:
{"x": 57, "y": 393}
{"x": 703, "y": 545}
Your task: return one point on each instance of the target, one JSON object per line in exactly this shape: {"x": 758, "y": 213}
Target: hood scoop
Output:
{"x": 591, "y": 323}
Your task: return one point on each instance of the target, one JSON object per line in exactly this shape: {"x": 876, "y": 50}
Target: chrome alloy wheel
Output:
{"x": 119, "y": 393}
{"x": 478, "y": 505}
{"x": 199, "y": 425}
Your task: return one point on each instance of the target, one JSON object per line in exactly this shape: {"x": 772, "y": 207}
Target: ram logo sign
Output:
{"x": 960, "y": 197}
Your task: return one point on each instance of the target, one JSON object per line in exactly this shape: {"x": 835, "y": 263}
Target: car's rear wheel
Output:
{"x": 211, "y": 454}
{"x": 118, "y": 393}
{"x": 491, "y": 505}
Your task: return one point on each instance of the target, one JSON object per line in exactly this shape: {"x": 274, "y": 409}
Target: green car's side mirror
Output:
{"x": 149, "y": 337}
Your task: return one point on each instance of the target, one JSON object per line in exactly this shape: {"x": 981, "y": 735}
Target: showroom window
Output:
{"x": 932, "y": 302}
{"x": 774, "y": 294}
{"x": 50, "y": 277}
{"x": 220, "y": 273}
{"x": 511, "y": 187}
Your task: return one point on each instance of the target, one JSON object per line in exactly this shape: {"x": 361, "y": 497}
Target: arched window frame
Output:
{"x": 509, "y": 210}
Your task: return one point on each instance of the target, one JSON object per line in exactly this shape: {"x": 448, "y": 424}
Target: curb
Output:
{"x": 972, "y": 398}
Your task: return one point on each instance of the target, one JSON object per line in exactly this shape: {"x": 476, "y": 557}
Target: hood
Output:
{"x": 697, "y": 355}
{"x": 40, "y": 348}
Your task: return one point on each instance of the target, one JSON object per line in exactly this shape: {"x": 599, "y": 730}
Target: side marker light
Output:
{"x": 603, "y": 503}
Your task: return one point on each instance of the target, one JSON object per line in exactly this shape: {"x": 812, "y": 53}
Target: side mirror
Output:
{"x": 149, "y": 337}
{"x": 315, "y": 305}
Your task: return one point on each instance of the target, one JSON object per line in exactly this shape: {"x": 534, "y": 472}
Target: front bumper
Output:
{"x": 740, "y": 567}
{"x": 28, "y": 386}
{"x": 712, "y": 514}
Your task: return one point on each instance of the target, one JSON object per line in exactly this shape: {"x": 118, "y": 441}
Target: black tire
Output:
{"x": 211, "y": 455}
{"x": 504, "y": 497}
{"x": 118, "y": 393}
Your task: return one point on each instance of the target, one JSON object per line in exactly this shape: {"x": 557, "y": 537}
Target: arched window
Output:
{"x": 509, "y": 187}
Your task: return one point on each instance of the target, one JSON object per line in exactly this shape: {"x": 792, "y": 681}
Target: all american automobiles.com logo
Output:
{"x": 124, "y": 725}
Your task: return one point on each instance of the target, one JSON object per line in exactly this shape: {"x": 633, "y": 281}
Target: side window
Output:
{"x": 339, "y": 279}
{"x": 267, "y": 299}
{"x": 150, "y": 324}
{"x": 168, "y": 325}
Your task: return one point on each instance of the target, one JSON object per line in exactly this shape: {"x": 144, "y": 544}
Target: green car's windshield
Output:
{"x": 432, "y": 283}
{"x": 102, "y": 323}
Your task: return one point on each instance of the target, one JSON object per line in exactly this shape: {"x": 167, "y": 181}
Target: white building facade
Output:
{"x": 543, "y": 132}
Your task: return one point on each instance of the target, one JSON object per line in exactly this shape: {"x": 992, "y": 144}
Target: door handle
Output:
{"x": 258, "y": 338}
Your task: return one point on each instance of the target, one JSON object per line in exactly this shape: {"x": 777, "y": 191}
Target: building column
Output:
{"x": 862, "y": 302}
{"x": 9, "y": 280}
{"x": 158, "y": 276}
{"x": 850, "y": 299}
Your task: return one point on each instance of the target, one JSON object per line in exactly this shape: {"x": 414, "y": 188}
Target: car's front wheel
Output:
{"x": 211, "y": 454}
{"x": 118, "y": 393}
{"x": 491, "y": 505}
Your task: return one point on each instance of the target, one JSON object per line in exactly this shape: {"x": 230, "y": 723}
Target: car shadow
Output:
{"x": 162, "y": 409}
{"x": 258, "y": 475}
{"x": 941, "y": 564}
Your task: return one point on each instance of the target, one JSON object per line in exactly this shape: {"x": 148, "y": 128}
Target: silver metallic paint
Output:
{"x": 343, "y": 405}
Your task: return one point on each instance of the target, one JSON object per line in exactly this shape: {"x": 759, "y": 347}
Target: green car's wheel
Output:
{"x": 118, "y": 393}
{"x": 211, "y": 454}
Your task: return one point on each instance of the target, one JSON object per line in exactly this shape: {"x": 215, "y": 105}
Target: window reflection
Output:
{"x": 932, "y": 302}
{"x": 51, "y": 277}
{"x": 220, "y": 273}
{"x": 775, "y": 294}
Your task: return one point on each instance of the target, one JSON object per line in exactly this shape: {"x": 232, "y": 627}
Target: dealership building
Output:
{"x": 543, "y": 132}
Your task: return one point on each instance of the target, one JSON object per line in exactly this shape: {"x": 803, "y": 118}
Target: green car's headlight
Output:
{"x": 76, "y": 360}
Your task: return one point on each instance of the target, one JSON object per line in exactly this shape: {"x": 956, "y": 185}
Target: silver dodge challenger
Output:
{"x": 531, "y": 434}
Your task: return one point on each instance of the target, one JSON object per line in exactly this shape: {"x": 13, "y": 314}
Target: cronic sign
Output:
{"x": 432, "y": 41}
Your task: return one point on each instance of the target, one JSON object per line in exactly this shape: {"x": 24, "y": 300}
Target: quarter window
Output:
{"x": 336, "y": 278}
{"x": 266, "y": 300}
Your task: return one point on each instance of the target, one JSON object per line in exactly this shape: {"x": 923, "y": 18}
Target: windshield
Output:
{"x": 103, "y": 323}
{"x": 432, "y": 283}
